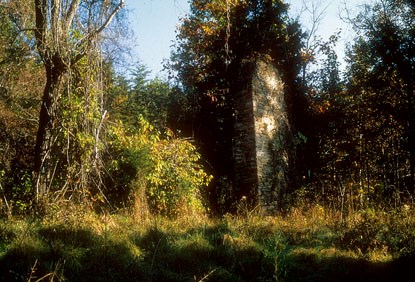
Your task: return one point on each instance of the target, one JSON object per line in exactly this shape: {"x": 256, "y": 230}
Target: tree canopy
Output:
{"x": 216, "y": 45}
{"x": 108, "y": 137}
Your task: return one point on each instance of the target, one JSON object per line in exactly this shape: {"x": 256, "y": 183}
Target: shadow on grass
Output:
{"x": 65, "y": 254}
{"x": 310, "y": 267}
{"x": 201, "y": 254}
{"x": 211, "y": 253}
{"x": 82, "y": 255}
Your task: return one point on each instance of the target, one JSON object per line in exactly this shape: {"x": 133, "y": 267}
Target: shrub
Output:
{"x": 176, "y": 179}
{"x": 127, "y": 159}
{"x": 167, "y": 169}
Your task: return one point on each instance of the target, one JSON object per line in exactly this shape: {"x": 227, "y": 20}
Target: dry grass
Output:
{"x": 76, "y": 244}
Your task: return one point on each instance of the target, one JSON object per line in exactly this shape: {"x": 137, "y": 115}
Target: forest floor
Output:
{"x": 306, "y": 244}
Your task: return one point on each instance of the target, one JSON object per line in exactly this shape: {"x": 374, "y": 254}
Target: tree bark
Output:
{"x": 411, "y": 135}
{"x": 47, "y": 119}
{"x": 59, "y": 53}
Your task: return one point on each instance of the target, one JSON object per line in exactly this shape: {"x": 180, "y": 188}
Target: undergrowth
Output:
{"x": 73, "y": 244}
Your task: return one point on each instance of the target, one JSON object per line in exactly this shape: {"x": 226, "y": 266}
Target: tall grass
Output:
{"x": 72, "y": 243}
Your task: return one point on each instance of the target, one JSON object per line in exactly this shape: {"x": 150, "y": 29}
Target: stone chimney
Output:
{"x": 262, "y": 141}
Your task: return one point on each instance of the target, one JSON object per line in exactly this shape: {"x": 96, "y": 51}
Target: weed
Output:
{"x": 303, "y": 245}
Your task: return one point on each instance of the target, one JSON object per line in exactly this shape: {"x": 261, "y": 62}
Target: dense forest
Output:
{"x": 88, "y": 149}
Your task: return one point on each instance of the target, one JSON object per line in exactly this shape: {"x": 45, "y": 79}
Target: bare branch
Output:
{"x": 110, "y": 17}
{"x": 55, "y": 12}
{"x": 71, "y": 13}
{"x": 317, "y": 12}
{"x": 97, "y": 31}
{"x": 40, "y": 25}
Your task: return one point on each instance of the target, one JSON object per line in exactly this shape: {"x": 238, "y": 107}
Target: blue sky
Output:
{"x": 154, "y": 23}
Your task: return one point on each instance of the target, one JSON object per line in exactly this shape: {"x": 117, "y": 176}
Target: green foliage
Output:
{"x": 127, "y": 158}
{"x": 170, "y": 167}
{"x": 153, "y": 102}
{"x": 16, "y": 192}
{"x": 359, "y": 151}
{"x": 142, "y": 154}
{"x": 217, "y": 44}
{"x": 139, "y": 95}
{"x": 22, "y": 193}
{"x": 356, "y": 136}
{"x": 21, "y": 79}
{"x": 380, "y": 95}
{"x": 176, "y": 179}
{"x": 378, "y": 230}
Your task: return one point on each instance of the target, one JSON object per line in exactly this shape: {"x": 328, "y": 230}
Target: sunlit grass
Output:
{"x": 82, "y": 245}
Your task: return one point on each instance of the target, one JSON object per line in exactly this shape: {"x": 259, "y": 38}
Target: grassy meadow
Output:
{"x": 309, "y": 243}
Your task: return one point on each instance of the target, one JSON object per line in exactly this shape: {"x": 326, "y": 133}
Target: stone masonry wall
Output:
{"x": 244, "y": 143}
{"x": 262, "y": 138}
{"x": 272, "y": 132}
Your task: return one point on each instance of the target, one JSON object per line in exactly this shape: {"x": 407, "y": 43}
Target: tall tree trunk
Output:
{"x": 47, "y": 119}
{"x": 59, "y": 51}
{"x": 411, "y": 135}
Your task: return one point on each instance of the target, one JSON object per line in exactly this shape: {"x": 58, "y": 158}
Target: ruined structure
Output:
{"x": 262, "y": 141}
